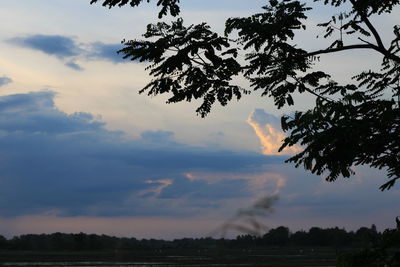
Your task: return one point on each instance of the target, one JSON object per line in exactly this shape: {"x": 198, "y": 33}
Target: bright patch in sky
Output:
{"x": 267, "y": 129}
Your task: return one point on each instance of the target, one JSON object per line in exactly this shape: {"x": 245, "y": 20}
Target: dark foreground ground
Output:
{"x": 299, "y": 257}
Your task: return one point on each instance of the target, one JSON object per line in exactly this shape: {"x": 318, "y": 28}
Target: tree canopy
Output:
{"x": 348, "y": 125}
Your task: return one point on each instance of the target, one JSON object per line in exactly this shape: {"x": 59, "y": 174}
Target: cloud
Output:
{"x": 68, "y": 50}
{"x": 35, "y": 113}
{"x": 198, "y": 189}
{"x": 74, "y": 66}
{"x": 62, "y": 47}
{"x": 108, "y": 52}
{"x": 54, "y": 45}
{"x": 70, "y": 165}
{"x": 267, "y": 129}
{"x": 5, "y": 80}
{"x": 259, "y": 183}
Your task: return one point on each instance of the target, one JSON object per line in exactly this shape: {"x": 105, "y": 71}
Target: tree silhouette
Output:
{"x": 349, "y": 124}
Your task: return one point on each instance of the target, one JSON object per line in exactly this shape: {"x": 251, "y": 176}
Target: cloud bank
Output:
{"x": 70, "y": 165}
{"x": 60, "y": 166}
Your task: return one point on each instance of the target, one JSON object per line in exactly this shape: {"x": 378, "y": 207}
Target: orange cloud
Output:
{"x": 268, "y": 132}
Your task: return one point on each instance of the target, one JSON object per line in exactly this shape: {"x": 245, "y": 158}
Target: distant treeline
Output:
{"x": 280, "y": 236}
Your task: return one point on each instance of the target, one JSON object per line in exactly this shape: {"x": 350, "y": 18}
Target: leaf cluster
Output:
{"x": 188, "y": 62}
{"x": 167, "y": 6}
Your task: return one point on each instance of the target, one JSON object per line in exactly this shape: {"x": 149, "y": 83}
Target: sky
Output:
{"x": 81, "y": 150}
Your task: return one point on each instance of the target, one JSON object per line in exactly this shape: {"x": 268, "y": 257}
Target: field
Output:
{"x": 299, "y": 257}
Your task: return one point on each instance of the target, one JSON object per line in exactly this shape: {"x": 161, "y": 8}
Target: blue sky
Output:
{"x": 80, "y": 150}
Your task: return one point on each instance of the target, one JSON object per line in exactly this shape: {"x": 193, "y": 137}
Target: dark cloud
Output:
{"x": 36, "y": 113}
{"x": 74, "y": 66}
{"x": 102, "y": 51}
{"x": 68, "y": 50}
{"x": 69, "y": 164}
{"x": 55, "y": 45}
{"x": 5, "y": 80}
